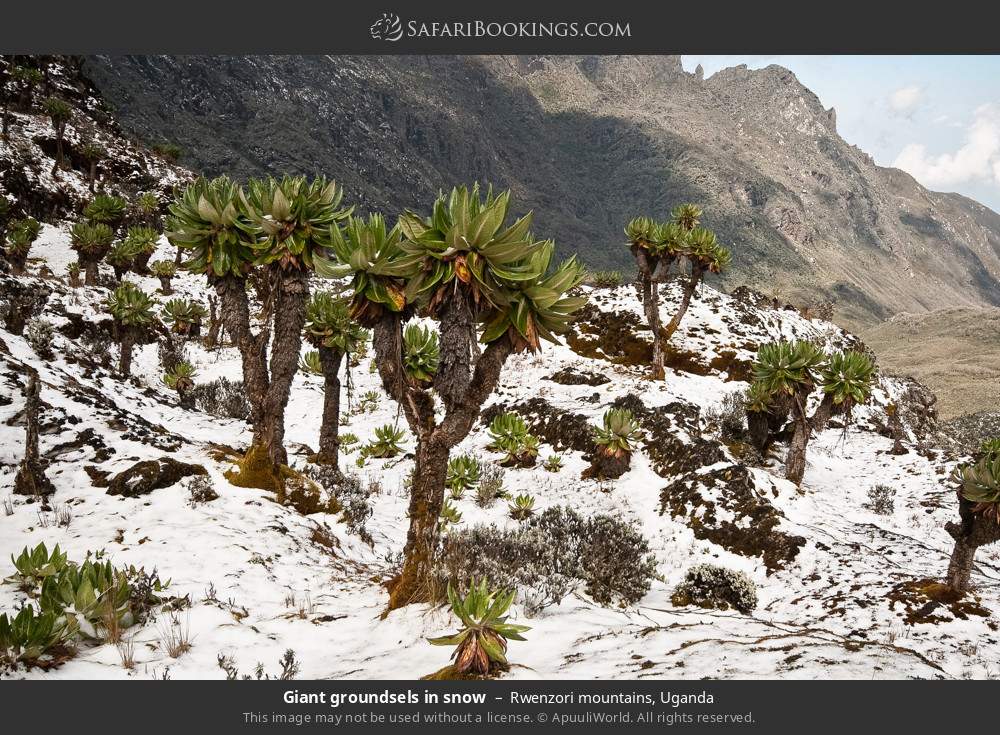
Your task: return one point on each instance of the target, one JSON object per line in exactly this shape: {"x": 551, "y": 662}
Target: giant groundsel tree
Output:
{"x": 276, "y": 226}
{"x": 335, "y": 335}
{"x": 785, "y": 375}
{"x": 463, "y": 268}
{"x": 657, "y": 248}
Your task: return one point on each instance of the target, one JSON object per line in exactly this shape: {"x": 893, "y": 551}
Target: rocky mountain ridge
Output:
{"x": 587, "y": 143}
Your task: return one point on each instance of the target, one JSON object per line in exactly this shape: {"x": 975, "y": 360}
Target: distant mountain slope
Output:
{"x": 956, "y": 352}
{"x": 587, "y": 142}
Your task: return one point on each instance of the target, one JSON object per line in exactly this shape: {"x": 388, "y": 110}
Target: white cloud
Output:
{"x": 905, "y": 99}
{"x": 977, "y": 160}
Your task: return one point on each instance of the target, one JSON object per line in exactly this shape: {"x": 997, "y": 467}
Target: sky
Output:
{"x": 936, "y": 117}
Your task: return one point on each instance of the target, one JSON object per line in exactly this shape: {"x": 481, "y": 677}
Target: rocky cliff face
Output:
{"x": 587, "y": 142}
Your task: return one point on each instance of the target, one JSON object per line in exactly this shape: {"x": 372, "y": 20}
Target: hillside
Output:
{"x": 588, "y": 143}
{"x": 831, "y": 574}
{"x": 955, "y": 352}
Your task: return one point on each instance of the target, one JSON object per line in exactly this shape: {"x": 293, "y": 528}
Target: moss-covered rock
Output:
{"x": 748, "y": 523}
{"x": 148, "y": 475}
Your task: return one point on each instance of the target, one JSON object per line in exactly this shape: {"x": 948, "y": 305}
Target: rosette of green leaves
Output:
{"x": 643, "y": 232}
{"x": 129, "y": 305}
{"x": 420, "y": 352}
{"x": 329, "y": 324}
{"x": 787, "y": 367}
{"x": 618, "y": 432}
{"x": 105, "y": 208}
{"x": 310, "y": 363}
{"x": 482, "y": 641}
{"x": 142, "y": 239}
{"x": 121, "y": 254}
{"x": 181, "y": 314}
{"x": 206, "y": 221}
{"x": 463, "y": 472}
{"x": 92, "y": 240}
{"x": 180, "y": 377}
{"x": 981, "y": 481}
{"x": 370, "y": 254}
{"x": 703, "y": 247}
{"x": 290, "y": 218}
{"x": 464, "y": 245}
{"x": 538, "y": 308}
{"x": 847, "y": 377}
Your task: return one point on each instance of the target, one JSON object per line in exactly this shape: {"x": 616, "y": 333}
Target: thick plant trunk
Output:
{"x": 651, "y": 305}
{"x": 30, "y": 479}
{"x": 690, "y": 286}
{"x": 18, "y": 263}
{"x": 454, "y": 372}
{"x": 93, "y": 175}
{"x": 604, "y": 466}
{"x": 5, "y": 133}
{"x": 119, "y": 272}
{"x": 795, "y": 464}
{"x": 125, "y": 359}
{"x": 289, "y": 318}
{"x": 824, "y": 412}
{"x": 974, "y": 531}
{"x": 426, "y": 499}
{"x": 140, "y": 264}
{"x": 90, "y": 272}
{"x": 165, "y": 287}
{"x": 434, "y": 440}
{"x": 178, "y": 257}
{"x": 57, "y": 164}
{"x": 329, "y": 432}
{"x": 759, "y": 430}
{"x": 234, "y": 309}
{"x": 960, "y": 565}
{"x": 214, "y": 323}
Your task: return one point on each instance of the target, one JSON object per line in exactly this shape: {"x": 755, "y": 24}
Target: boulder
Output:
{"x": 148, "y": 475}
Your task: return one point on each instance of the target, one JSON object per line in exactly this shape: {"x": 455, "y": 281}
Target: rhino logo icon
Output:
{"x": 387, "y": 28}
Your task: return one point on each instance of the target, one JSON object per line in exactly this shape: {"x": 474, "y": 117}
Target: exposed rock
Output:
{"x": 148, "y": 475}
{"x": 575, "y": 376}
{"x": 748, "y": 523}
{"x": 673, "y": 441}
{"x": 562, "y": 429}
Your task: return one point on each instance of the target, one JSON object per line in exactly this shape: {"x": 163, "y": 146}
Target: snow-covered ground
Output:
{"x": 259, "y": 585}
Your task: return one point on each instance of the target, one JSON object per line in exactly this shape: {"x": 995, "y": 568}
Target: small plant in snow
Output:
{"x": 386, "y": 442}
{"x": 614, "y": 441}
{"x": 712, "y": 586}
{"x": 368, "y": 402}
{"x": 463, "y": 474}
{"x": 481, "y": 644}
{"x": 40, "y": 334}
{"x": 310, "y": 363}
{"x": 881, "y": 500}
{"x": 522, "y": 507}
{"x": 180, "y": 378}
{"x": 450, "y": 515}
{"x": 490, "y": 486}
{"x": 553, "y": 463}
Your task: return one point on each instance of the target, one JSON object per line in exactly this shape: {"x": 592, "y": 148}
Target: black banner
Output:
{"x": 496, "y": 706}
{"x": 448, "y": 27}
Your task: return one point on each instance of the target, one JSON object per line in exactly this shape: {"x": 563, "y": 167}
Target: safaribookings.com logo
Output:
{"x": 390, "y": 28}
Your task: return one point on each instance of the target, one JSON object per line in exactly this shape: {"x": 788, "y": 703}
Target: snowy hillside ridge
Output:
{"x": 27, "y": 180}
{"x": 832, "y": 575}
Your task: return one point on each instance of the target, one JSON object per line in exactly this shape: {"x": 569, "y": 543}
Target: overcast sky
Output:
{"x": 936, "y": 117}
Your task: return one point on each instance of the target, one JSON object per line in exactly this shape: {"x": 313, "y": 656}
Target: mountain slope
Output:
{"x": 834, "y": 578}
{"x": 587, "y": 142}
